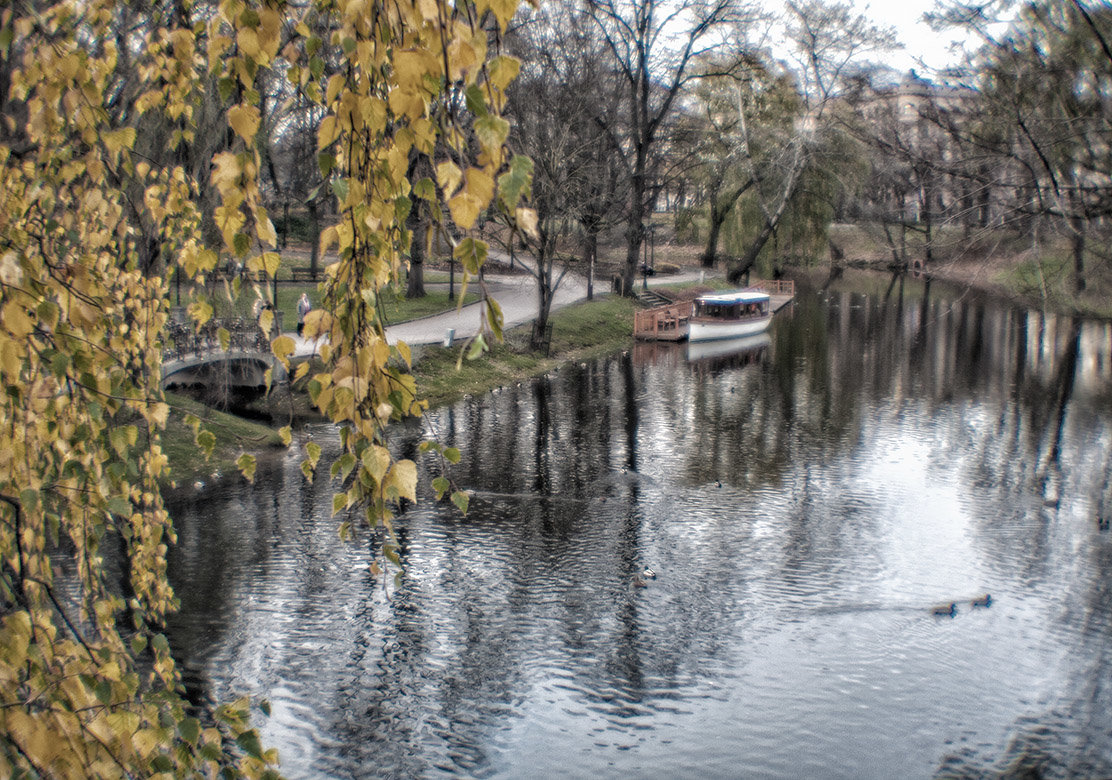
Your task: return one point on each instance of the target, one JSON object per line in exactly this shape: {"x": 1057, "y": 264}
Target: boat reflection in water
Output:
{"x": 705, "y": 355}
{"x": 729, "y": 353}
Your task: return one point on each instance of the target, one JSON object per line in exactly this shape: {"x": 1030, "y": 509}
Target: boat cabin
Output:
{"x": 732, "y": 306}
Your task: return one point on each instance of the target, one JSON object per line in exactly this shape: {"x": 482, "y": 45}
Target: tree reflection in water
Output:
{"x": 803, "y": 506}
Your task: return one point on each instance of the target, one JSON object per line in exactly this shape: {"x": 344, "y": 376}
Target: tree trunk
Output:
{"x": 590, "y": 255}
{"x": 719, "y": 210}
{"x": 314, "y": 238}
{"x": 711, "y": 251}
{"x": 415, "y": 281}
{"x": 635, "y": 234}
{"x": 545, "y": 257}
{"x": 771, "y": 222}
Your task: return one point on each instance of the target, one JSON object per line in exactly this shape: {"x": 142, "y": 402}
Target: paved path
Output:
{"x": 516, "y": 294}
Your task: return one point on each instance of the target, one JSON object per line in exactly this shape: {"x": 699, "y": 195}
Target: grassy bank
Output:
{"x": 580, "y": 332}
{"x": 234, "y": 436}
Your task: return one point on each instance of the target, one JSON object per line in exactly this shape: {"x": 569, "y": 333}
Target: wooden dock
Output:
{"x": 662, "y": 323}
{"x": 669, "y": 323}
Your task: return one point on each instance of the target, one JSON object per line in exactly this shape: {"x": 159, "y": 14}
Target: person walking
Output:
{"x": 303, "y": 308}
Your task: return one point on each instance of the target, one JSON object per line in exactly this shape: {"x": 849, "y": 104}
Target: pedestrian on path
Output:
{"x": 303, "y": 308}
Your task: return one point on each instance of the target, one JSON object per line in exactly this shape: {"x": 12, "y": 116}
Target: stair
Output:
{"x": 652, "y": 298}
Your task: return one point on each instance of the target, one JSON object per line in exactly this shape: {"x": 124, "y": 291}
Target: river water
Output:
{"x": 803, "y": 501}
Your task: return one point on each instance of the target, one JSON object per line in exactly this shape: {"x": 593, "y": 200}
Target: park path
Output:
{"x": 515, "y": 293}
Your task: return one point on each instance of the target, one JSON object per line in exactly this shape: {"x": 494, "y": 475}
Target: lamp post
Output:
{"x": 648, "y": 256}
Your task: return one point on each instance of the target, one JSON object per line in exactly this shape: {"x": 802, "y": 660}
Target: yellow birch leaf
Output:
{"x": 160, "y": 412}
{"x": 226, "y": 171}
{"x": 336, "y": 84}
{"x": 283, "y": 347}
{"x": 376, "y": 460}
{"x": 264, "y": 229}
{"x": 10, "y": 360}
{"x": 117, "y": 140}
{"x": 403, "y": 479}
{"x": 480, "y": 186}
{"x": 246, "y": 464}
{"x": 527, "y": 221}
{"x": 448, "y": 176}
{"x": 406, "y": 103}
{"x": 245, "y": 121}
{"x": 503, "y": 10}
{"x": 503, "y": 70}
{"x": 461, "y": 58}
{"x": 248, "y": 41}
{"x": 270, "y": 263}
{"x": 16, "y": 320}
{"x": 339, "y": 503}
{"x": 317, "y": 322}
{"x": 405, "y": 353}
{"x": 327, "y": 133}
{"x": 465, "y": 210}
{"x": 410, "y": 68}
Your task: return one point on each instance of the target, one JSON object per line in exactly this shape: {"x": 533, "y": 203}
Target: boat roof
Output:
{"x": 736, "y": 296}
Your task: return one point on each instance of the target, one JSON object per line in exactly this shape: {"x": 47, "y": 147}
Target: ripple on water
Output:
{"x": 788, "y": 629}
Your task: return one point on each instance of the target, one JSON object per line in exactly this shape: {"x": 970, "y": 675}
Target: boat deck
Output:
{"x": 669, "y": 323}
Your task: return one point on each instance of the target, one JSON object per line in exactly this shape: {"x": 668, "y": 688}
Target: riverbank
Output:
{"x": 1001, "y": 263}
{"x": 582, "y": 331}
{"x": 588, "y": 330}
{"x": 233, "y": 435}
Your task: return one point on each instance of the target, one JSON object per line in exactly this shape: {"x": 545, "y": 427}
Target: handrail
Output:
{"x": 774, "y": 286}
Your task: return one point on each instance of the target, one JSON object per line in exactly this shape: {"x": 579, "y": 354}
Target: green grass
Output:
{"x": 580, "y": 332}
{"x": 396, "y": 306}
{"x": 234, "y": 436}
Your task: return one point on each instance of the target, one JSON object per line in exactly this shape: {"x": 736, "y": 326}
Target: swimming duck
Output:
{"x": 648, "y": 574}
{"x": 945, "y": 609}
{"x": 639, "y": 583}
{"x": 982, "y": 601}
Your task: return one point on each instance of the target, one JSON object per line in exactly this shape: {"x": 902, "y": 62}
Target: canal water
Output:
{"x": 804, "y": 501}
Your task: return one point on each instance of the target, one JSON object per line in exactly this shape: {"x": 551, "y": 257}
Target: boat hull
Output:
{"x": 713, "y": 330}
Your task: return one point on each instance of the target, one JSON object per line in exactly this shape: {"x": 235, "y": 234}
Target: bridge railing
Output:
{"x": 183, "y": 340}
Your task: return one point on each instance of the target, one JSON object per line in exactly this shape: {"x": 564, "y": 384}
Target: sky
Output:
{"x": 918, "y": 38}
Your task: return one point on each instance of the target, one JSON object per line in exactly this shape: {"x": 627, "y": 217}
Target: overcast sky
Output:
{"x": 918, "y": 38}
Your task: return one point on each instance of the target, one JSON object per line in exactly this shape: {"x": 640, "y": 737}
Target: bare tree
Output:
{"x": 654, "y": 46}
{"x": 555, "y": 103}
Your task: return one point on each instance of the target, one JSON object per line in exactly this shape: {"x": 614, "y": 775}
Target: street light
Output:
{"x": 648, "y": 256}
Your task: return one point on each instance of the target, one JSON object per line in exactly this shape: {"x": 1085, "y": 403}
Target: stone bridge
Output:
{"x": 197, "y": 361}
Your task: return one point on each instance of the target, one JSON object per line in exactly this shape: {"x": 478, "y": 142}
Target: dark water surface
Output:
{"x": 804, "y": 503}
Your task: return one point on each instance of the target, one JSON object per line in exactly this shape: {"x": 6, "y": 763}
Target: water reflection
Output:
{"x": 803, "y": 502}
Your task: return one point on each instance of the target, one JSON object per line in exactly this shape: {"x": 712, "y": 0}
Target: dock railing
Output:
{"x": 662, "y": 323}
{"x": 774, "y": 286}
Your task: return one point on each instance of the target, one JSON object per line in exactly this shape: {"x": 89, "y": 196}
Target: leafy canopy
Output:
{"x": 91, "y": 229}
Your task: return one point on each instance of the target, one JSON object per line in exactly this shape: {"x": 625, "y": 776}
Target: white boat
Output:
{"x": 729, "y": 315}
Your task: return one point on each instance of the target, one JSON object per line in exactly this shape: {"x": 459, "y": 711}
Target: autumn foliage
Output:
{"x": 94, "y": 220}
